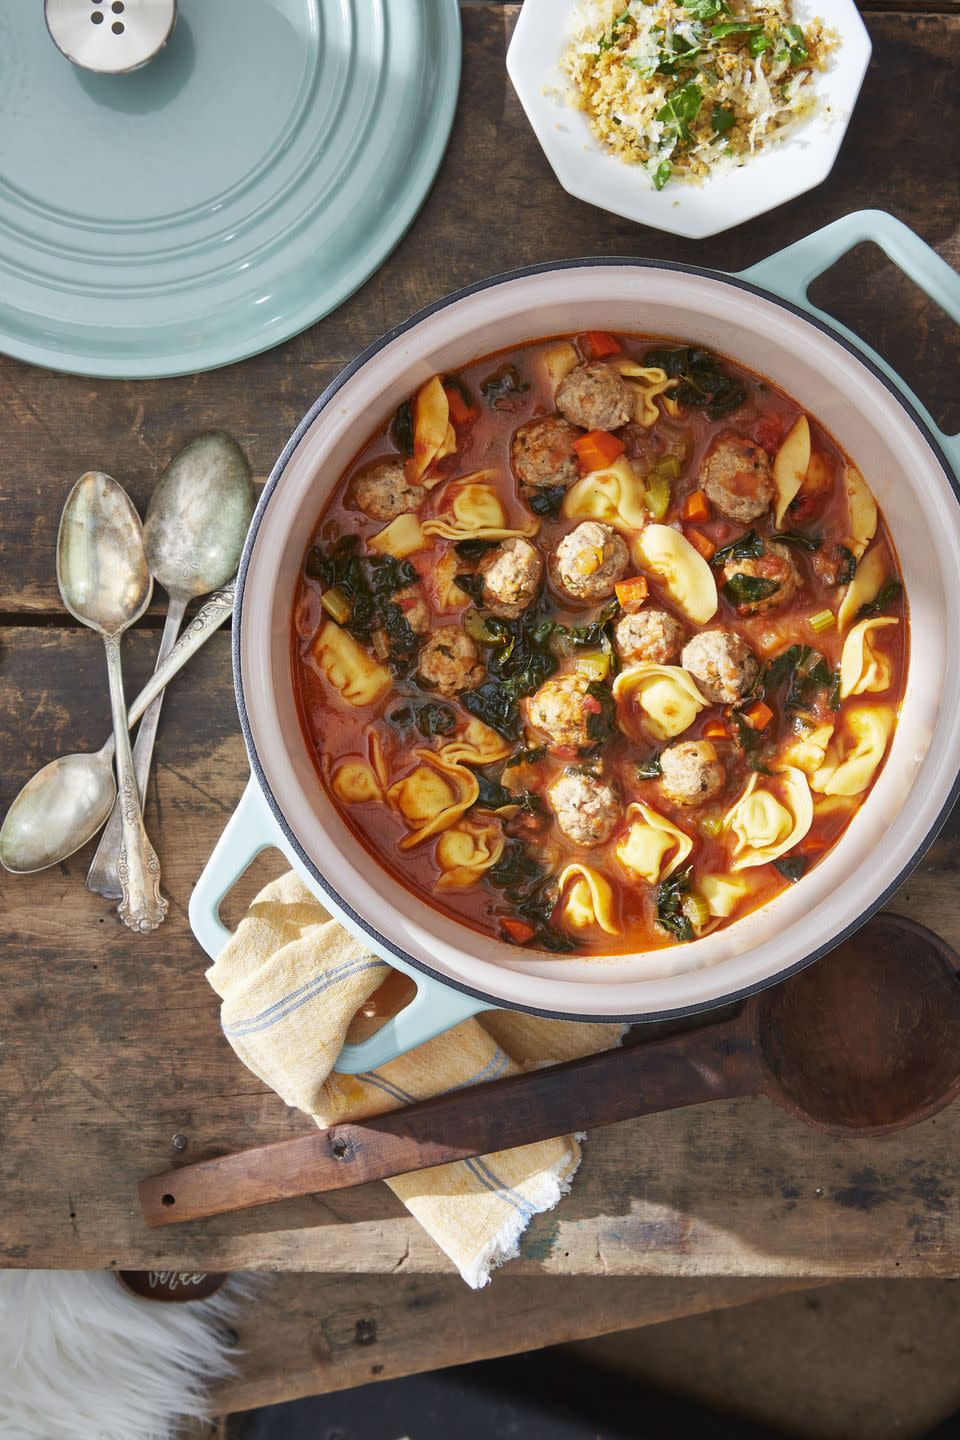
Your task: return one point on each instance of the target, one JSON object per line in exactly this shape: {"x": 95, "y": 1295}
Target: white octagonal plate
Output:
{"x": 588, "y": 171}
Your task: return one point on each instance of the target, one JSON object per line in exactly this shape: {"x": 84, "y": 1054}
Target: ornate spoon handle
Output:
{"x": 103, "y": 877}
{"x": 207, "y": 619}
{"x": 142, "y": 907}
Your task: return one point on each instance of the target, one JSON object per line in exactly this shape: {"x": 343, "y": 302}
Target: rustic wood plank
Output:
{"x": 309, "y": 1335}
{"x": 112, "y": 1047}
{"x": 54, "y": 427}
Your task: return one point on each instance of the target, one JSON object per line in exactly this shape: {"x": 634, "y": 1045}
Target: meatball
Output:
{"x": 542, "y": 452}
{"x": 511, "y": 577}
{"x": 557, "y": 709}
{"x": 723, "y": 665}
{"x": 596, "y": 397}
{"x": 589, "y": 561}
{"x": 650, "y": 635}
{"x": 414, "y": 607}
{"x": 586, "y": 807}
{"x": 735, "y": 474}
{"x": 450, "y": 661}
{"x": 777, "y": 567}
{"x": 382, "y": 491}
{"x": 690, "y": 772}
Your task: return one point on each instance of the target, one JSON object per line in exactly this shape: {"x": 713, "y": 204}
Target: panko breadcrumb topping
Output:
{"x": 685, "y": 89}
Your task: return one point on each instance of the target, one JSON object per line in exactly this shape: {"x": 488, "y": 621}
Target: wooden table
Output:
{"x": 111, "y": 1059}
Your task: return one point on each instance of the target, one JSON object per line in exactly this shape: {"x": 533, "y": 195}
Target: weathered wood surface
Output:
{"x": 311, "y": 1334}
{"x": 495, "y": 206}
{"x": 110, "y": 1045}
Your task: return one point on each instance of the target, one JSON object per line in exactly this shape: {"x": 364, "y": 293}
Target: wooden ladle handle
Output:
{"x": 714, "y": 1063}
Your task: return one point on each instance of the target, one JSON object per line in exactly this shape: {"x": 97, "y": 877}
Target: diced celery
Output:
{"x": 823, "y": 620}
{"x": 657, "y": 498}
{"x": 669, "y": 466}
{"x": 711, "y": 825}
{"x": 595, "y": 664}
{"x": 696, "y": 910}
{"x": 336, "y": 605}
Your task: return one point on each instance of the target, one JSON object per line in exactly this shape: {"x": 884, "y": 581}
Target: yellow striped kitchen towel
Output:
{"x": 293, "y": 983}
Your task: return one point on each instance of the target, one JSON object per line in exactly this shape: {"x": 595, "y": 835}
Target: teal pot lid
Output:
{"x": 226, "y": 196}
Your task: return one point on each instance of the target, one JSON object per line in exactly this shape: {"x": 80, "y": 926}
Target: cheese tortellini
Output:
{"x": 665, "y": 695}
{"x": 854, "y": 755}
{"x": 863, "y": 511}
{"x": 355, "y": 782}
{"x": 790, "y": 466}
{"x": 475, "y": 744}
{"x": 402, "y": 537}
{"x": 465, "y": 851}
{"x": 865, "y": 586}
{"x": 863, "y": 667}
{"x": 685, "y": 576}
{"x": 806, "y": 749}
{"x": 723, "y": 893}
{"x": 471, "y": 509}
{"x": 653, "y": 847}
{"x": 614, "y": 495}
{"x": 587, "y": 899}
{"x": 764, "y": 824}
{"x": 434, "y": 438}
{"x": 432, "y": 797}
{"x": 359, "y": 679}
{"x": 647, "y": 382}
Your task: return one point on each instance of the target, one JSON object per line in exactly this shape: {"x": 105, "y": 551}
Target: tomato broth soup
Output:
{"x": 599, "y": 643}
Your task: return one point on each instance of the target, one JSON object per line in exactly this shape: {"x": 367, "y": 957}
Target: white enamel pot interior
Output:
{"x": 917, "y": 785}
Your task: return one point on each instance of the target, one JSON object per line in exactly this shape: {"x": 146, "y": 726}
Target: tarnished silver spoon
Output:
{"x": 64, "y": 804}
{"x": 105, "y": 584}
{"x": 193, "y": 534}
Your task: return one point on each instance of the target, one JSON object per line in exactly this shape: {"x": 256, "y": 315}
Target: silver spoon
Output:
{"x": 193, "y": 534}
{"x": 64, "y": 804}
{"x": 105, "y": 584}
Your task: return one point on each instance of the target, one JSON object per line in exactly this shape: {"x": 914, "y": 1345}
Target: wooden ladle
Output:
{"x": 865, "y": 1042}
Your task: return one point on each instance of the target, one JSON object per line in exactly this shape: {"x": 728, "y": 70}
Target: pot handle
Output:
{"x": 251, "y": 829}
{"x": 789, "y": 272}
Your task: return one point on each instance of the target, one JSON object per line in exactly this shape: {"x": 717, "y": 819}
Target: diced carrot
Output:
{"x": 715, "y": 730}
{"x": 701, "y": 542}
{"x": 696, "y": 506}
{"x": 591, "y": 705}
{"x": 598, "y": 343}
{"x": 597, "y": 449}
{"x": 759, "y": 715}
{"x": 461, "y": 410}
{"x": 518, "y": 930}
{"x": 632, "y": 592}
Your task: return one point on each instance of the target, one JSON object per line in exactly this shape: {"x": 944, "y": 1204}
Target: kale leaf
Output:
{"x": 885, "y": 598}
{"x": 791, "y": 867}
{"x": 500, "y": 388}
{"x": 704, "y": 383}
{"x": 745, "y": 547}
{"x": 670, "y": 916}
{"x": 546, "y": 500}
{"x": 401, "y": 429}
{"x": 749, "y": 589}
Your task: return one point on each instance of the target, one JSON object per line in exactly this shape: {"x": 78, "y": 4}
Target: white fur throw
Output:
{"x": 82, "y": 1359}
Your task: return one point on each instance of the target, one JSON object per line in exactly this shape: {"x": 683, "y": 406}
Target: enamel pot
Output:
{"x": 762, "y": 319}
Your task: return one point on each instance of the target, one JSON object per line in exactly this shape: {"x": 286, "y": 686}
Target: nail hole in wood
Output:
{"x": 168, "y": 1200}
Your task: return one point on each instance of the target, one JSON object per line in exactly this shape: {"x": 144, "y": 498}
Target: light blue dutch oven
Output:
{"x": 762, "y": 318}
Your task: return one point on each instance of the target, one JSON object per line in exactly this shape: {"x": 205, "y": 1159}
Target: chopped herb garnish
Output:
{"x": 723, "y": 120}
{"x": 885, "y": 597}
{"x": 759, "y": 43}
{"x": 801, "y": 539}
{"x": 670, "y": 916}
{"x": 745, "y": 547}
{"x": 706, "y": 9}
{"x": 735, "y": 27}
{"x": 704, "y": 383}
{"x": 401, "y": 429}
{"x": 791, "y": 867}
{"x": 743, "y": 589}
{"x": 662, "y": 174}
{"x": 499, "y": 388}
{"x": 793, "y": 40}
{"x": 682, "y": 109}
{"x": 546, "y": 500}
